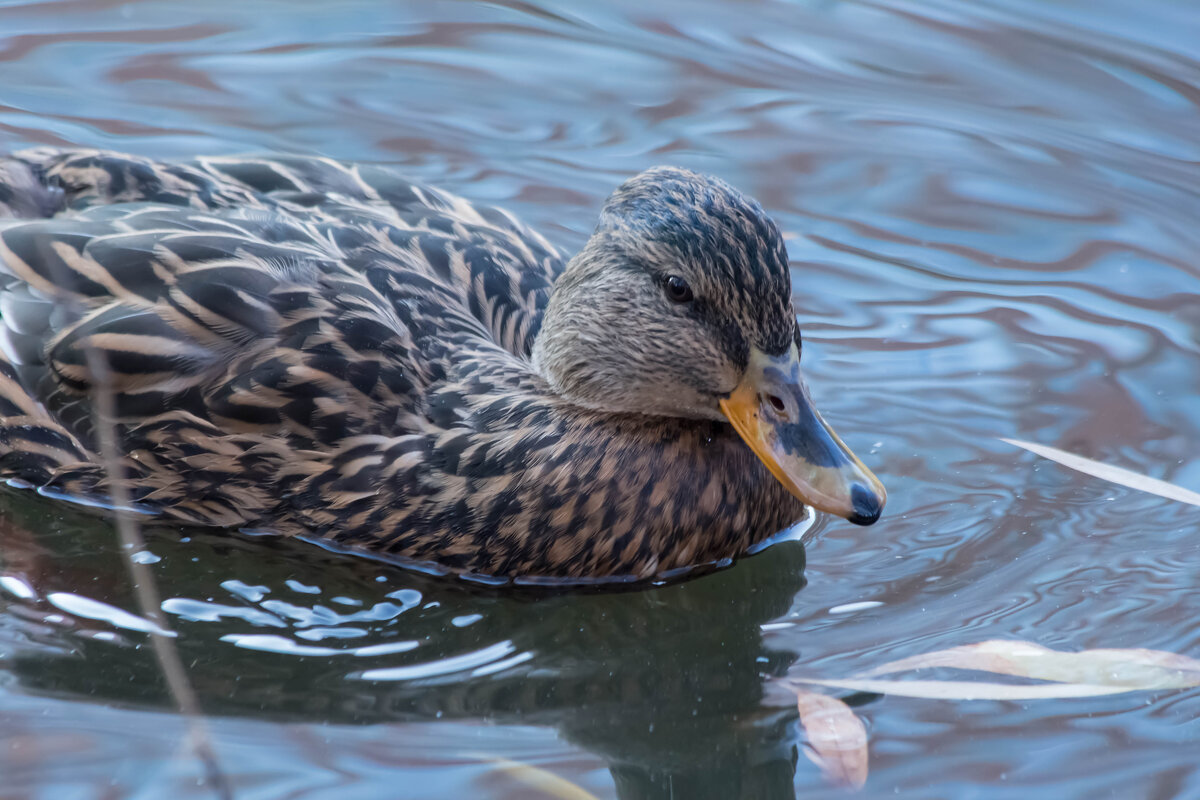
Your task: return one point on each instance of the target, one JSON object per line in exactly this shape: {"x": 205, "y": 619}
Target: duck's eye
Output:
{"x": 678, "y": 289}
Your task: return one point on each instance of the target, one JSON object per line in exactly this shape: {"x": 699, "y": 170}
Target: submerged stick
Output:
{"x": 146, "y": 590}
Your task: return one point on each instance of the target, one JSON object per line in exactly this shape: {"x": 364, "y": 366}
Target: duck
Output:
{"x": 304, "y": 346}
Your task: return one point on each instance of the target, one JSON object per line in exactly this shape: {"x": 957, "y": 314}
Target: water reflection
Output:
{"x": 283, "y": 631}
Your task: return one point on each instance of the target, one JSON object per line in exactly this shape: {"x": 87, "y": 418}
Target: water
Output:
{"x": 992, "y": 215}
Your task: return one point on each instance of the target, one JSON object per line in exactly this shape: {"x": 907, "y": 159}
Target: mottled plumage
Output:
{"x": 306, "y": 346}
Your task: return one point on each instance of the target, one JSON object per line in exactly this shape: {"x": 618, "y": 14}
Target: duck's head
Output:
{"x": 680, "y": 305}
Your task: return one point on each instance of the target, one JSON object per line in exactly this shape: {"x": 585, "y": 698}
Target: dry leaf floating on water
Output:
{"x": 1131, "y": 668}
{"x": 967, "y": 690}
{"x": 836, "y": 736}
{"x": 1107, "y": 472}
{"x": 545, "y": 784}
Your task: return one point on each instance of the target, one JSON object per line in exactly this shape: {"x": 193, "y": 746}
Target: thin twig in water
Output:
{"x": 145, "y": 589}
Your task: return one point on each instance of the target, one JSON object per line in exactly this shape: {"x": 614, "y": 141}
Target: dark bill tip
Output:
{"x": 867, "y": 505}
{"x": 771, "y": 410}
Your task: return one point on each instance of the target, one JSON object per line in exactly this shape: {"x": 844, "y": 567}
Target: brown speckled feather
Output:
{"x": 301, "y": 345}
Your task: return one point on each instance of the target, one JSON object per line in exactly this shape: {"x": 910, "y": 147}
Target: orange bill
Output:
{"x": 772, "y": 411}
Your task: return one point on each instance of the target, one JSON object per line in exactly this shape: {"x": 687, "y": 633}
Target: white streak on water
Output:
{"x": 88, "y": 608}
{"x": 17, "y": 587}
{"x": 849, "y": 608}
{"x": 444, "y": 666}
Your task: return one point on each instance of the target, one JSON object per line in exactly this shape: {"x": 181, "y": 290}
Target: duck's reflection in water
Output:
{"x": 665, "y": 684}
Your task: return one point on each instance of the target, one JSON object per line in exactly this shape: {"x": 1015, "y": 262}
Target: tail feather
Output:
{"x": 32, "y": 445}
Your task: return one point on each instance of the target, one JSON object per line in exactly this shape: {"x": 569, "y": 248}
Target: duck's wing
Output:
{"x": 223, "y": 344}
{"x": 500, "y": 269}
{"x": 254, "y": 341}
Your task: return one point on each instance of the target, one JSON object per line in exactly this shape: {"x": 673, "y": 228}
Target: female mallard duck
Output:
{"x": 306, "y": 346}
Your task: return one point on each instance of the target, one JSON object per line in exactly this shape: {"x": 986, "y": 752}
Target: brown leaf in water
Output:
{"x": 1129, "y": 669}
{"x": 839, "y": 741}
{"x": 1110, "y": 473}
{"x": 836, "y": 736}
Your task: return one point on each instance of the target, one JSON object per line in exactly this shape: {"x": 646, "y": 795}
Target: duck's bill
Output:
{"x": 771, "y": 410}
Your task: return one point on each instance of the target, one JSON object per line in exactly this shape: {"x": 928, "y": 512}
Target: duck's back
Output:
{"x": 236, "y": 314}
